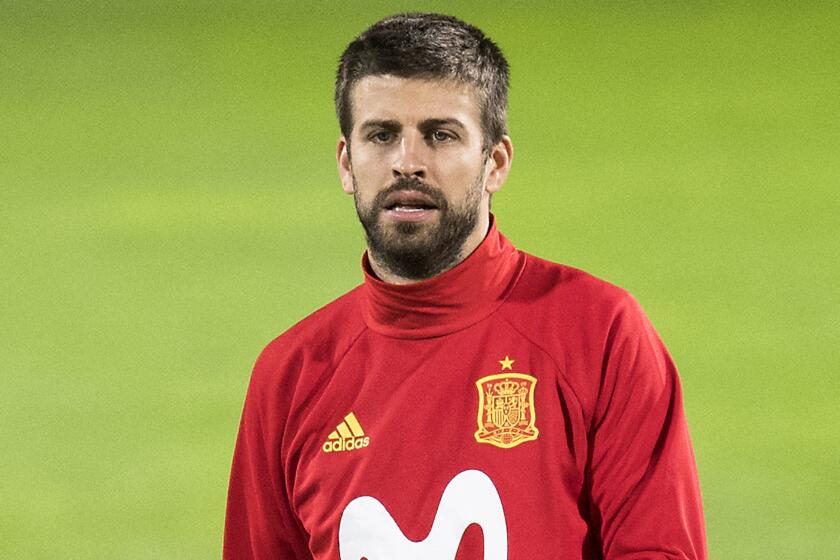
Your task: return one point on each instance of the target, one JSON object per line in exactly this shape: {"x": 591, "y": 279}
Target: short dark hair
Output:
{"x": 432, "y": 46}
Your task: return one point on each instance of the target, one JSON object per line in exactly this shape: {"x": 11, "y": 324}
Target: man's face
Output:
{"x": 418, "y": 172}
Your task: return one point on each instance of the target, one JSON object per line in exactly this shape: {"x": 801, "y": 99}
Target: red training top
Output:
{"x": 508, "y": 409}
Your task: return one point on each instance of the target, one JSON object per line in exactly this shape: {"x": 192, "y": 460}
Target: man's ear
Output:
{"x": 498, "y": 165}
{"x": 345, "y": 166}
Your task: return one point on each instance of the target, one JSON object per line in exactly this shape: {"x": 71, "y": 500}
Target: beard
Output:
{"x": 418, "y": 251}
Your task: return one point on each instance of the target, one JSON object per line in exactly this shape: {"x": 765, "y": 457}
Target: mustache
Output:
{"x": 412, "y": 184}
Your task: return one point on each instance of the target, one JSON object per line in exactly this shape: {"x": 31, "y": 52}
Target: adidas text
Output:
{"x": 346, "y": 444}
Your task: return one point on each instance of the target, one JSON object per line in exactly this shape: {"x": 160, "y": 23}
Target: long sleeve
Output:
{"x": 260, "y": 523}
{"x": 644, "y": 483}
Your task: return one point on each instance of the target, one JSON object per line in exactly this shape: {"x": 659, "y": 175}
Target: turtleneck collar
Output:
{"x": 451, "y": 301}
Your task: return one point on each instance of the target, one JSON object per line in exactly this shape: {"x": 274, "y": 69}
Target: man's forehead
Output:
{"x": 388, "y": 97}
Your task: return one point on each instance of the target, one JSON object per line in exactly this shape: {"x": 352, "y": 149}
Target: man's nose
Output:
{"x": 410, "y": 160}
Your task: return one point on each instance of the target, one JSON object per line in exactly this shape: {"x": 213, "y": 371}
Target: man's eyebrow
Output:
{"x": 436, "y": 123}
{"x": 381, "y": 124}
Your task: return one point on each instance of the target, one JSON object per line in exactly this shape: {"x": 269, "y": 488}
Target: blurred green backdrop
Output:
{"x": 170, "y": 204}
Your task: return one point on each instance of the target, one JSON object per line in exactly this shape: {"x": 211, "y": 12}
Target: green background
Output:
{"x": 169, "y": 203}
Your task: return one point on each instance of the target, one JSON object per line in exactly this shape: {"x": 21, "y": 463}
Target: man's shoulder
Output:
{"x": 330, "y": 322}
{"x": 318, "y": 340}
{"x": 577, "y": 319}
{"x": 571, "y": 301}
{"x": 550, "y": 282}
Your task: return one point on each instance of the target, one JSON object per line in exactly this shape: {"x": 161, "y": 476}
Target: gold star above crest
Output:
{"x": 507, "y": 363}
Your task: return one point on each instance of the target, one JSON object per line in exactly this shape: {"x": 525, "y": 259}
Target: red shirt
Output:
{"x": 508, "y": 409}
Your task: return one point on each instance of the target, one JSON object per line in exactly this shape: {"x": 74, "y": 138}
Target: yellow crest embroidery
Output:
{"x": 506, "y": 414}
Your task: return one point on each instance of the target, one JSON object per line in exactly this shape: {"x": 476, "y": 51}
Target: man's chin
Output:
{"x": 407, "y": 236}
{"x": 419, "y": 249}
{"x": 408, "y": 229}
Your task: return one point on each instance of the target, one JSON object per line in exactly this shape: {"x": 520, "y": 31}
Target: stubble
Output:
{"x": 417, "y": 251}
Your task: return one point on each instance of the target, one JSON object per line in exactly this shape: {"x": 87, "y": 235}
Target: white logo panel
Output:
{"x": 367, "y": 530}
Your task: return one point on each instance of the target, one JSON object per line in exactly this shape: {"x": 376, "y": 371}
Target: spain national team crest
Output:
{"x": 506, "y": 414}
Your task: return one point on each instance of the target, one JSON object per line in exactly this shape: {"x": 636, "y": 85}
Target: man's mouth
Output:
{"x": 409, "y": 201}
{"x": 409, "y": 205}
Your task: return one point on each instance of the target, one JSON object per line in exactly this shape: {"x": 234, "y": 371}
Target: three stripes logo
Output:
{"x": 347, "y": 436}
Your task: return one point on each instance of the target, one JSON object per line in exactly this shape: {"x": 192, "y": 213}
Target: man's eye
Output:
{"x": 442, "y": 136}
{"x": 382, "y": 137}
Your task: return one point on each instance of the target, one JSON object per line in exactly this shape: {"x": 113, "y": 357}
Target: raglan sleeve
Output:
{"x": 644, "y": 483}
{"x": 260, "y": 522}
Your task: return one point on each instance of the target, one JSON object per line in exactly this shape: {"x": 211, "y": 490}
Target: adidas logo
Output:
{"x": 347, "y": 436}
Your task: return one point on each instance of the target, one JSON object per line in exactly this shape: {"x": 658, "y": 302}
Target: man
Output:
{"x": 468, "y": 400}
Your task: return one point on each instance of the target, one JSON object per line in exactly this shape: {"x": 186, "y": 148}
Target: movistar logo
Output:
{"x": 368, "y": 531}
{"x": 347, "y": 436}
